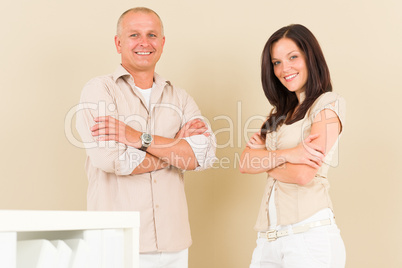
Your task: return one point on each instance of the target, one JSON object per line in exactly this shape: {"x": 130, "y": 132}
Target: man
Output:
{"x": 141, "y": 132}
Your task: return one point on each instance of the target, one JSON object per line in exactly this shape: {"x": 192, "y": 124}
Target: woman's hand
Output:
{"x": 256, "y": 141}
{"x": 306, "y": 153}
{"x": 111, "y": 129}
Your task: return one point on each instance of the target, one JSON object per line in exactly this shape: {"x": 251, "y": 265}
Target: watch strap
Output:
{"x": 145, "y": 143}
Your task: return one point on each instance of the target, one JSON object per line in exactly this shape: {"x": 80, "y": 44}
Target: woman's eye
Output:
{"x": 276, "y": 63}
{"x": 293, "y": 57}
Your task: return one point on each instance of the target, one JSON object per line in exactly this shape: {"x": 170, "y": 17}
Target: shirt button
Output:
{"x": 154, "y": 181}
{"x": 157, "y": 206}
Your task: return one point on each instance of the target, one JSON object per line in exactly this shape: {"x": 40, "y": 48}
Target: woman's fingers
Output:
{"x": 256, "y": 142}
{"x": 313, "y": 164}
{"x": 315, "y": 153}
{"x": 313, "y": 149}
{"x": 311, "y": 137}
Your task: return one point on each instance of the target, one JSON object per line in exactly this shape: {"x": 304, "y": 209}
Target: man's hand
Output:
{"x": 191, "y": 128}
{"x": 111, "y": 129}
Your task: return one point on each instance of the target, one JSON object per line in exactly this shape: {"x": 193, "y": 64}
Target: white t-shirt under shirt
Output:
{"x": 146, "y": 93}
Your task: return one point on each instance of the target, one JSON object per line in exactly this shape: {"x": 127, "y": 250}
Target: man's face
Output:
{"x": 140, "y": 41}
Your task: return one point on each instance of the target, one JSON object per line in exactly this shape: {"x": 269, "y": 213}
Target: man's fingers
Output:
{"x": 103, "y": 124}
{"x": 105, "y": 119}
{"x": 196, "y": 123}
{"x": 193, "y": 127}
{"x": 108, "y": 138}
{"x": 197, "y": 131}
{"x": 104, "y": 131}
{"x": 188, "y": 125}
{"x": 98, "y": 126}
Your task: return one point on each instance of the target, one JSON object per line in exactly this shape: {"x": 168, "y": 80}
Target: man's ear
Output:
{"x": 117, "y": 44}
{"x": 163, "y": 43}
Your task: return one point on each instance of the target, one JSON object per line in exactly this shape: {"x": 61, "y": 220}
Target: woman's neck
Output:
{"x": 301, "y": 96}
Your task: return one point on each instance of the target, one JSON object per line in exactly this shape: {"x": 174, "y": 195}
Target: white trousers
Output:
{"x": 317, "y": 248}
{"x": 164, "y": 259}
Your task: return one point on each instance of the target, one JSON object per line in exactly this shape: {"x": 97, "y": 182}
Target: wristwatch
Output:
{"x": 146, "y": 140}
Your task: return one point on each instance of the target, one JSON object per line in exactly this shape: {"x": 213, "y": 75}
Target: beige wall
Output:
{"x": 49, "y": 49}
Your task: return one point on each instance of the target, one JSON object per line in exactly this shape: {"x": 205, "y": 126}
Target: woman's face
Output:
{"x": 289, "y": 64}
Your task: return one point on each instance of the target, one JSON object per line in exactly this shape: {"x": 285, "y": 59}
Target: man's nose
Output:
{"x": 144, "y": 41}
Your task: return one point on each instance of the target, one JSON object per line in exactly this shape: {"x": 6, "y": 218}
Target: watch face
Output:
{"x": 146, "y": 138}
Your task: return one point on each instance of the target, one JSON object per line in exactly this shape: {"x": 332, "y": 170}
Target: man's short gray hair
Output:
{"x": 137, "y": 10}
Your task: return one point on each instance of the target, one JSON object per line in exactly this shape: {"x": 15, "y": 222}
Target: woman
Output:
{"x": 295, "y": 225}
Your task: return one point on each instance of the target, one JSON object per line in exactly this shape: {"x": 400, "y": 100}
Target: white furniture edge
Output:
{"x": 44, "y": 220}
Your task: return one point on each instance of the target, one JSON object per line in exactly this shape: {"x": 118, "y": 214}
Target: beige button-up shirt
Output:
{"x": 293, "y": 202}
{"x": 159, "y": 195}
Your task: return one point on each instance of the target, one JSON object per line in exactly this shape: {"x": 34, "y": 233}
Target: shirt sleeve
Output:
{"x": 331, "y": 101}
{"x": 204, "y": 147}
{"x": 97, "y": 100}
{"x": 337, "y": 104}
{"x": 204, "y": 150}
{"x": 130, "y": 159}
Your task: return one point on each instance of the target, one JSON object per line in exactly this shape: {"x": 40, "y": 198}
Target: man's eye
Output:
{"x": 134, "y": 35}
{"x": 152, "y": 35}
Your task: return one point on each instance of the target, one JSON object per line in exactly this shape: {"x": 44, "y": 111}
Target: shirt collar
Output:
{"x": 121, "y": 72}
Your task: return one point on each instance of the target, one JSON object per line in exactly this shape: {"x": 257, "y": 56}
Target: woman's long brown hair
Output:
{"x": 284, "y": 101}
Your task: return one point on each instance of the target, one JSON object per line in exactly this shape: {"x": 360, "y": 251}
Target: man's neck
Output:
{"x": 142, "y": 79}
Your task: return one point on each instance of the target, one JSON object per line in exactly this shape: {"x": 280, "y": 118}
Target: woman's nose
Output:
{"x": 286, "y": 66}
